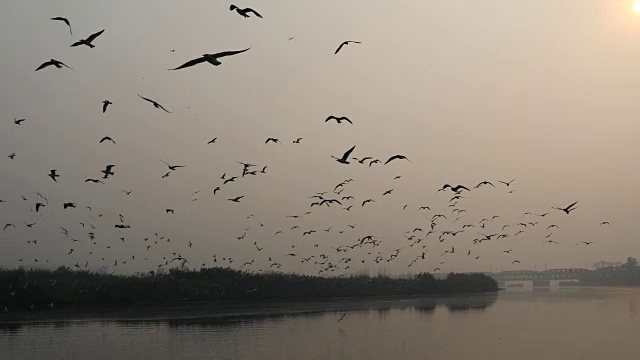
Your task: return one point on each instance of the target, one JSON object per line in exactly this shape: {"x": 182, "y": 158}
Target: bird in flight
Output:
{"x": 483, "y": 183}
{"x": 53, "y": 62}
{"x": 95, "y": 181}
{"x": 245, "y": 12}
{"x": 345, "y": 157}
{"x": 508, "y": 183}
{"x": 170, "y": 211}
{"x": 455, "y": 188}
{"x": 395, "y": 157}
{"x": 297, "y": 141}
{"x": 105, "y": 104}
{"x": 172, "y": 167}
{"x": 108, "y": 171}
{"x": 515, "y": 262}
{"x": 155, "y": 104}
{"x": 568, "y": 209}
{"x": 339, "y": 120}
{"x": 367, "y": 201}
{"x": 212, "y": 141}
{"x": 65, "y": 20}
{"x": 53, "y": 174}
{"x": 106, "y": 138}
{"x": 274, "y": 140}
{"x": 12, "y": 156}
{"x": 69, "y": 205}
{"x": 127, "y": 192}
{"x": 604, "y": 223}
{"x": 210, "y": 58}
{"x": 346, "y": 43}
{"x": 88, "y": 41}
{"x": 18, "y": 121}
{"x": 237, "y": 200}
{"x": 588, "y": 242}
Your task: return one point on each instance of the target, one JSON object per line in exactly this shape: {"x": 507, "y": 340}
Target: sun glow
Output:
{"x": 637, "y": 6}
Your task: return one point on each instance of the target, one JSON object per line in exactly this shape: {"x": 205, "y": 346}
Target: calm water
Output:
{"x": 570, "y": 323}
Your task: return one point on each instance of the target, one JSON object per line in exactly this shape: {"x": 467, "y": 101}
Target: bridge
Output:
{"x": 530, "y": 278}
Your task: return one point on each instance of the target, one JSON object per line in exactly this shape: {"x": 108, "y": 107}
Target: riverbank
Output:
{"x": 44, "y": 290}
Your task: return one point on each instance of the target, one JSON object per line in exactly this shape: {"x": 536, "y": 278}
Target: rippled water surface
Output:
{"x": 567, "y": 323}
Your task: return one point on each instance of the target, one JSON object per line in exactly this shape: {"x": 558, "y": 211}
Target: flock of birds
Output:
{"x": 446, "y": 225}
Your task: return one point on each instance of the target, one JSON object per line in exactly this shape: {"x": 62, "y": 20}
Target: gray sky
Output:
{"x": 541, "y": 91}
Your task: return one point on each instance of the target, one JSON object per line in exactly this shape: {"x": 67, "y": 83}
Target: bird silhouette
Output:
{"x": 297, "y": 141}
{"x": 604, "y": 223}
{"x": 455, "y": 189}
{"x": 346, "y": 43}
{"x": 155, "y": 104}
{"x": 108, "y": 171}
{"x": 508, "y": 183}
{"x": 210, "y": 58}
{"x": 12, "y": 156}
{"x": 53, "y": 62}
{"x": 105, "y": 104}
{"x": 245, "y": 12}
{"x": 107, "y": 138}
{"x": 339, "y": 120}
{"x": 274, "y": 140}
{"x": 212, "y": 141}
{"x": 95, "y": 181}
{"x": 367, "y": 201}
{"x": 568, "y": 209}
{"x": 64, "y": 20}
{"x": 396, "y": 157}
{"x": 53, "y": 174}
{"x": 18, "y": 121}
{"x": 483, "y": 183}
{"x": 237, "y": 199}
{"x": 172, "y": 167}
{"x": 88, "y": 41}
{"x": 69, "y": 205}
{"x": 345, "y": 157}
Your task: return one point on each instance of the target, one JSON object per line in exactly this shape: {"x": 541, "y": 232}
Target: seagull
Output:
{"x": 65, "y": 20}
{"x": 231, "y": 179}
{"x": 568, "y": 209}
{"x": 345, "y": 157}
{"x": 12, "y": 156}
{"x": 376, "y": 161}
{"x": 244, "y": 12}
{"x": 274, "y": 140}
{"x": 88, "y": 41}
{"x": 237, "y": 200}
{"x": 604, "y": 223}
{"x": 108, "y": 171}
{"x": 69, "y": 205}
{"x": 588, "y": 242}
{"x": 394, "y": 157}
{"x": 297, "y": 141}
{"x": 388, "y": 192}
{"x": 6, "y": 226}
{"x": 550, "y": 241}
{"x": 483, "y": 183}
{"x": 507, "y": 183}
{"x": 339, "y": 120}
{"x": 342, "y": 317}
{"x": 18, "y": 121}
{"x": 155, "y": 104}
{"x": 53, "y": 175}
{"x": 95, "y": 181}
{"x": 210, "y": 58}
{"x": 172, "y": 167}
{"x": 455, "y": 188}
{"x": 107, "y": 138}
{"x": 515, "y": 262}
{"x": 367, "y": 201}
{"x": 346, "y": 43}
{"x": 213, "y": 141}
{"x": 105, "y": 104}
{"x": 38, "y": 206}
{"x": 53, "y": 62}
{"x": 216, "y": 190}
{"x": 170, "y": 211}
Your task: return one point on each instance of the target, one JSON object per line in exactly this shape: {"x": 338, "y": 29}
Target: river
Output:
{"x": 566, "y": 323}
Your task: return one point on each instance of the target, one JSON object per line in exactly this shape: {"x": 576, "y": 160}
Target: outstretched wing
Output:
{"x": 348, "y": 153}
{"x": 340, "y": 47}
{"x": 44, "y": 65}
{"x": 253, "y": 11}
{"x": 331, "y": 118}
{"x": 572, "y": 205}
{"x": 147, "y": 99}
{"x": 229, "y": 53}
{"x": 394, "y": 157}
{"x": 191, "y": 63}
{"x": 347, "y": 119}
{"x": 94, "y": 36}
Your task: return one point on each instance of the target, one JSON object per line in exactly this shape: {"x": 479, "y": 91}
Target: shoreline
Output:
{"x": 233, "y": 310}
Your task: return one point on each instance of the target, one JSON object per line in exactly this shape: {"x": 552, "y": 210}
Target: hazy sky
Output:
{"x": 541, "y": 91}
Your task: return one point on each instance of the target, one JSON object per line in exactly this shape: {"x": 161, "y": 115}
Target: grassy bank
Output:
{"x": 41, "y": 289}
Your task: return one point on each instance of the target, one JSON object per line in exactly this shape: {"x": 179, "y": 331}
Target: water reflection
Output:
{"x": 487, "y": 326}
